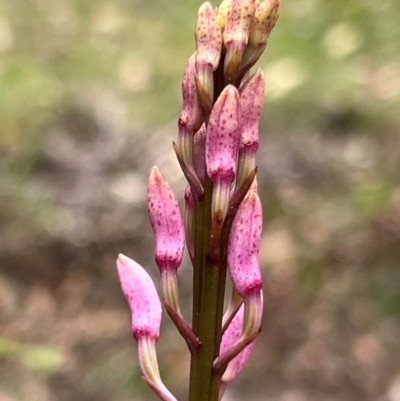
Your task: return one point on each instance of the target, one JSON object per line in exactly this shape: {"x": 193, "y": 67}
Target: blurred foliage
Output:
{"x": 41, "y": 358}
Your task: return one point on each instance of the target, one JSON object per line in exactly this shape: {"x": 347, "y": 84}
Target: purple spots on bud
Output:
{"x": 251, "y": 104}
{"x": 222, "y": 13}
{"x": 192, "y": 115}
{"x": 166, "y": 220}
{"x": 265, "y": 18}
{"x": 142, "y": 297}
{"x": 208, "y": 38}
{"x": 243, "y": 246}
{"x": 223, "y": 135}
{"x": 208, "y": 50}
{"x": 238, "y": 24}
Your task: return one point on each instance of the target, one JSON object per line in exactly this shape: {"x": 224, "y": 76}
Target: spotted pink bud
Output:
{"x": 243, "y": 246}
{"x": 265, "y": 18}
{"x": 208, "y": 37}
{"x": 192, "y": 115}
{"x": 142, "y": 297}
{"x": 208, "y": 48}
{"x": 223, "y": 135}
{"x": 166, "y": 220}
{"x": 222, "y": 145}
{"x": 222, "y": 13}
{"x": 230, "y": 337}
{"x": 251, "y": 104}
{"x": 236, "y": 33}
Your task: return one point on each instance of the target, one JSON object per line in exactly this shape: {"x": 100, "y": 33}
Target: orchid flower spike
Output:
{"x": 169, "y": 233}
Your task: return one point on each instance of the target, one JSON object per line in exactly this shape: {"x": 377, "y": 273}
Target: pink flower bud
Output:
{"x": 265, "y": 18}
{"x": 251, "y": 104}
{"x": 222, "y": 145}
{"x": 223, "y": 136}
{"x": 222, "y": 13}
{"x": 142, "y": 297}
{"x": 237, "y": 29}
{"x": 166, "y": 220}
{"x": 243, "y": 246}
{"x": 192, "y": 115}
{"x": 208, "y": 47}
{"x": 230, "y": 337}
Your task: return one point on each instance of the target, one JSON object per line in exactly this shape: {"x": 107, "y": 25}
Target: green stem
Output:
{"x": 197, "y": 263}
{"x": 216, "y": 379}
{"x": 207, "y": 305}
{"x": 195, "y": 373}
{"x": 200, "y": 287}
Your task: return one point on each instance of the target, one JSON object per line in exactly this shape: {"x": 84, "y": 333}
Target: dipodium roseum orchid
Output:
{"x": 217, "y": 142}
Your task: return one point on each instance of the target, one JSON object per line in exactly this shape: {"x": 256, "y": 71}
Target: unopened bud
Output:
{"x": 169, "y": 234}
{"x": 208, "y": 50}
{"x": 166, "y": 220}
{"x": 243, "y": 246}
{"x": 142, "y": 297}
{"x": 222, "y": 144}
{"x": 251, "y": 104}
{"x": 222, "y": 13}
{"x": 236, "y": 35}
{"x": 192, "y": 114}
{"x": 265, "y": 18}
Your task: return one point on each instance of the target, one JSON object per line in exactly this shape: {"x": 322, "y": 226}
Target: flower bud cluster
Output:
{"x": 218, "y": 138}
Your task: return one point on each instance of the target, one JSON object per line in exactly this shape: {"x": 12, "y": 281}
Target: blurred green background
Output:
{"x": 89, "y": 99}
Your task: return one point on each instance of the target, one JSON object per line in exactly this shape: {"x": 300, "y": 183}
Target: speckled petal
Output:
{"x": 243, "y": 246}
{"x": 192, "y": 115}
{"x": 142, "y": 297}
{"x": 238, "y": 24}
{"x": 208, "y": 37}
{"x": 222, "y": 13}
{"x": 265, "y": 18}
{"x": 223, "y": 136}
{"x": 251, "y": 104}
{"x": 166, "y": 220}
